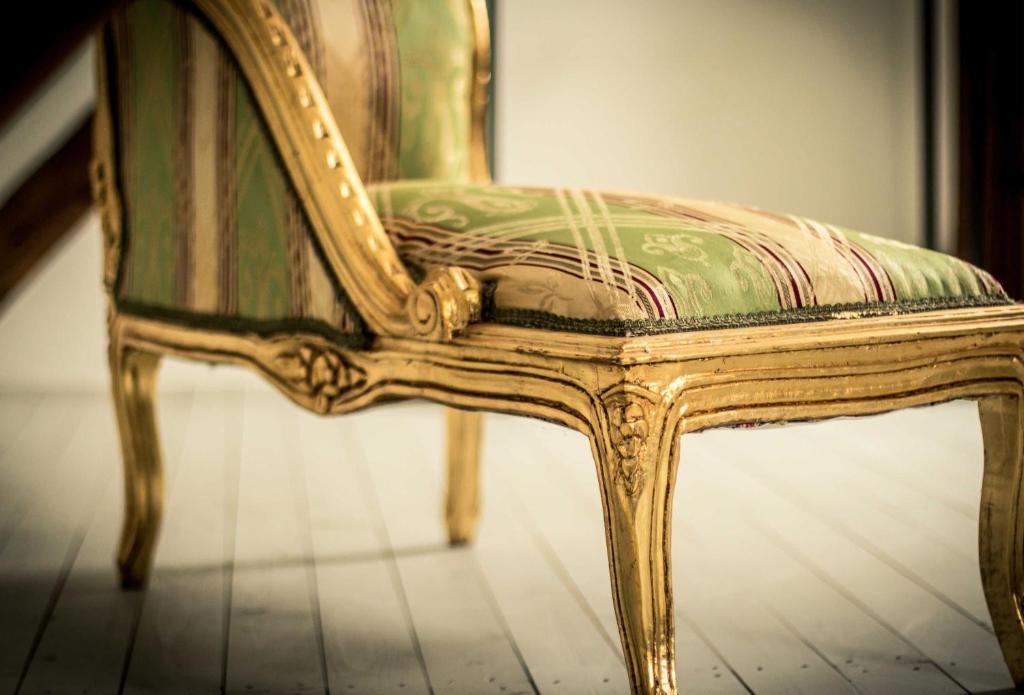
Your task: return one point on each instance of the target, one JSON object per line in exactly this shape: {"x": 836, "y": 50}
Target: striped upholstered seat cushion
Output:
{"x": 616, "y": 263}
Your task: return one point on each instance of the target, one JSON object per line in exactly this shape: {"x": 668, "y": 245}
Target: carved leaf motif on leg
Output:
{"x": 629, "y": 431}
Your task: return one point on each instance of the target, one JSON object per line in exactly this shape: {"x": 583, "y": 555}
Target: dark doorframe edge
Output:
{"x": 929, "y": 137}
{"x": 492, "y": 10}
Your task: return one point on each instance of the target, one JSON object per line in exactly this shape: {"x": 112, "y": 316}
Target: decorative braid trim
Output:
{"x": 240, "y": 324}
{"x": 530, "y": 318}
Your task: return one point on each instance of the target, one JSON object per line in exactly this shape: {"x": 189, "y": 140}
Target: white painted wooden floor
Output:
{"x": 302, "y": 554}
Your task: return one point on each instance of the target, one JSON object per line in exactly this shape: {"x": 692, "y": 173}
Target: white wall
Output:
{"x": 802, "y": 106}
{"x": 797, "y": 105}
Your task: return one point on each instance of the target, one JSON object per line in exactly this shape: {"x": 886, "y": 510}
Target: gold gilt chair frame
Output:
{"x": 633, "y": 397}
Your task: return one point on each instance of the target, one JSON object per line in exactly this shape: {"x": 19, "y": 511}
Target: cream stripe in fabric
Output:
{"x": 620, "y": 253}
{"x": 337, "y": 30}
{"x": 577, "y": 238}
{"x": 322, "y": 303}
{"x": 184, "y": 213}
{"x": 604, "y": 266}
{"x": 205, "y": 249}
{"x": 346, "y": 66}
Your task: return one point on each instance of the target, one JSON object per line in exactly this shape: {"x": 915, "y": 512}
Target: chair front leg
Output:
{"x": 636, "y": 454}
{"x": 133, "y": 376}
{"x": 1001, "y": 526}
{"x": 462, "y": 505}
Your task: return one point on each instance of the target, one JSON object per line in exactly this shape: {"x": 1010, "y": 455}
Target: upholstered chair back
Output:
{"x": 213, "y": 231}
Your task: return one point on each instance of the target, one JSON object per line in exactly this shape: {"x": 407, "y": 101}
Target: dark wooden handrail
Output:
{"x": 44, "y": 208}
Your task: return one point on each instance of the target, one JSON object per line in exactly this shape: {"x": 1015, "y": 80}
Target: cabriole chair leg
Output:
{"x": 462, "y": 505}
{"x": 636, "y": 452}
{"x": 134, "y": 382}
{"x": 1001, "y": 526}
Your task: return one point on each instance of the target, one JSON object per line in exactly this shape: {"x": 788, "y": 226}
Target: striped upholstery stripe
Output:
{"x": 214, "y": 230}
{"x": 616, "y": 263}
{"x": 213, "y": 227}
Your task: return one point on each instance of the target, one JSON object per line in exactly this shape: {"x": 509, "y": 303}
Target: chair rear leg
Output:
{"x": 1001, "y": 526}
{"x": 133, "y": 375}
{"x": 462, "y": 506}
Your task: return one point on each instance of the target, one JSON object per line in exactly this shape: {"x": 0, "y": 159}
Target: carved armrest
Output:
{"x": 321, "y": 170}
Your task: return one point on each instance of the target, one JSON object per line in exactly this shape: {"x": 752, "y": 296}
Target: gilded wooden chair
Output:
{"x": 241, "y": 228}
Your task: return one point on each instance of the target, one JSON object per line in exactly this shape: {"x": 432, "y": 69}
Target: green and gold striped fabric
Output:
{"x": 614, "y": 263}
{"x": 216, "y": 234}
{"x": 213, "y": 228}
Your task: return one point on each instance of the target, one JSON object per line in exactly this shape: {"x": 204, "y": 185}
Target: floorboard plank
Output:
{"x": 465, "y": 645}
{"x": 771, "y": 660}
{"x": 552, "y": 473}
{"x": 273, "y": 643}
{"x": 335, "y": 570}
{"x": 16, "y": 411}
{"x": 38, "y": 556}
{"x": 870, "y": 656}
{"x": 93, "y": 604}
{"x": 925, "y": 465}
{"x": 402, "y": 450}
{"x": 87, "y": 638}
{"x": 911, "y": 506}
{"x": 369, "y": 643}
{"x": 31, "y": 460}
{"x": 824, "y": 489}
{"x": 940, "y": 442}
{"x": 566, "y": 648}
{"x": 958, "y": 645}
{"x": 179, "y": 646}
{"x": 765, "y": 665}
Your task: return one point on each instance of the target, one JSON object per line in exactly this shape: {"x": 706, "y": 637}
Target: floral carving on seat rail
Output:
{"x": 320, "y": 372}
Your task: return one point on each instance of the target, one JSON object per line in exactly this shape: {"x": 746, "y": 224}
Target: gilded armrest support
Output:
{"x": 357, "y": 248}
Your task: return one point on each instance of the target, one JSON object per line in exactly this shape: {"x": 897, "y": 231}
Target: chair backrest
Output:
{"x": 398, "y": 75}
{"x": 212, "y": 224}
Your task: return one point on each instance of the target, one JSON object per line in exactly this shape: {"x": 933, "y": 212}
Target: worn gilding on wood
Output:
{"x": 729, "y": 377}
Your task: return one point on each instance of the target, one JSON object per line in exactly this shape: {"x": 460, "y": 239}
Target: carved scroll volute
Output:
{"x": 443, "y": 304}
{"x": 318, "y": 372}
